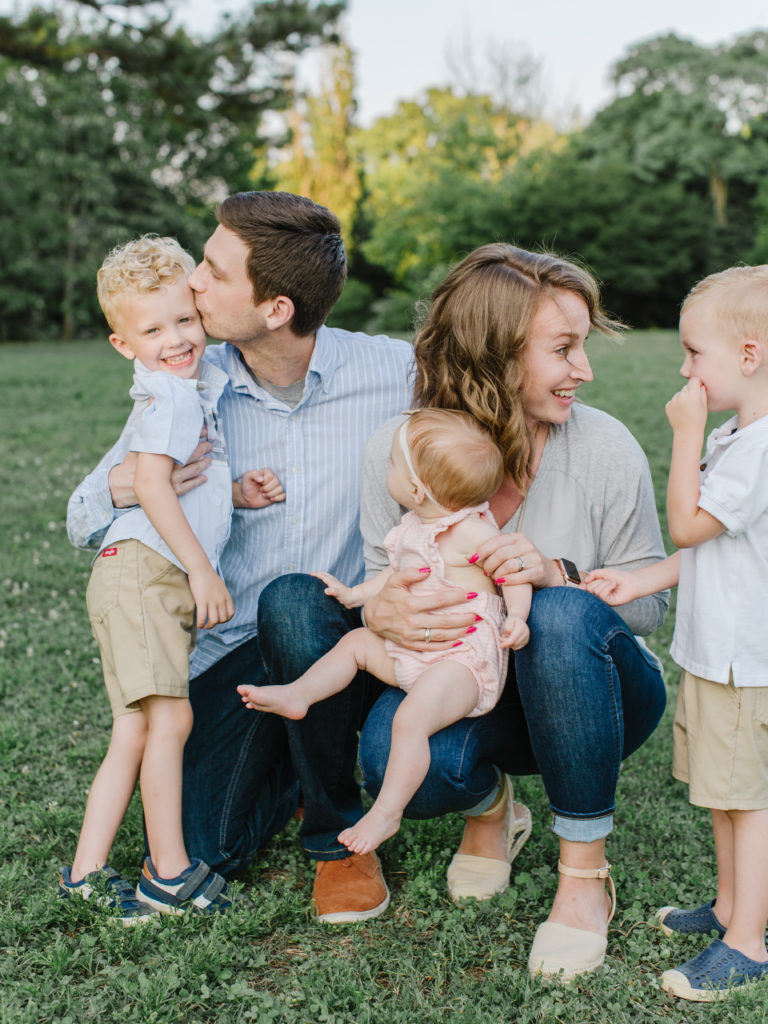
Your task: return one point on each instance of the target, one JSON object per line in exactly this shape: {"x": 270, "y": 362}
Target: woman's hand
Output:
{"x": 511, "y": 558}
{"x": 183, "y": 478}
{"x": 400, "y": 614}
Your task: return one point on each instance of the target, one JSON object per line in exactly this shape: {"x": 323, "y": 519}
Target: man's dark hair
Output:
{"x": 294, "y": 248}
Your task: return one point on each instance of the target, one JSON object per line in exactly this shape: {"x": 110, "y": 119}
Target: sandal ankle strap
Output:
{"x": 499, "y": 801}
{"x": 604, "y": 872}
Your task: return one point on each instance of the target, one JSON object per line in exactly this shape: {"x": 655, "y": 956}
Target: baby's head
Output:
{"x": 446, "y": 454}
{"x": 724, "y": 331}
{"x": 143, "y": 292}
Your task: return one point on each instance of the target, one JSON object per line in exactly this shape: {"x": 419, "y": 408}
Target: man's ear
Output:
{"x": 751, "y": 357}
{"x": 121, "y": 346}
{"x": 279, "y": 312}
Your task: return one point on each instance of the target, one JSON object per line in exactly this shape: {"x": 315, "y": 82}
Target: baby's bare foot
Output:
{"x": 278, "y": 700}
{"x": 372, "y": 829}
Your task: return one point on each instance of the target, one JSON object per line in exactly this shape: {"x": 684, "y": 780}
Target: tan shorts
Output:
{"x": 143, "y": 618}
{"x": 721, "y": 744}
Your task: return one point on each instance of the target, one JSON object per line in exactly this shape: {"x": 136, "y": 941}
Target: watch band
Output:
{"x": 569, "y": 572}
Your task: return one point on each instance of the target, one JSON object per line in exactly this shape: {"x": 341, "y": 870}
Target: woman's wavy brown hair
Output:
{"x": 470, "y": 347}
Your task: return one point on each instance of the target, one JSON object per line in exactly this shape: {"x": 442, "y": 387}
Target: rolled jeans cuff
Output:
{"x": 488, "y": 800}
{"x": 582, "y": 830}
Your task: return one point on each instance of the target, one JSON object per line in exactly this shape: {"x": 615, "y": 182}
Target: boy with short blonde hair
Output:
{"x": 155, "y": 566}
{"x": 717, "y": 508}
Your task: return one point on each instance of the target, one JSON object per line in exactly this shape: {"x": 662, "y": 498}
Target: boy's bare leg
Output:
{"x": 111, "y": 792}
{"x": 746, "y": 929}
{"x": 722, "y": 827}
{"x": 358, "y": 649}
{"x": 443, "y": 694}
{"x": 169, "y": 721}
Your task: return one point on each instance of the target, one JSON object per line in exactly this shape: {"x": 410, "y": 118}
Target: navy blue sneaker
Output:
{"x": 109, "y": 892}
{"x": 196, "y": 890}
{"x": 713, "y": 974}
{"x": 701, "y": 921}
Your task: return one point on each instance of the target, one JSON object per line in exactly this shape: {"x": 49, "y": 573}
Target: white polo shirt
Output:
{"x": 722, "y": 601}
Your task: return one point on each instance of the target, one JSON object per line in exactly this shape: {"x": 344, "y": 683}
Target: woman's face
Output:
{"x": 555, "y": 360}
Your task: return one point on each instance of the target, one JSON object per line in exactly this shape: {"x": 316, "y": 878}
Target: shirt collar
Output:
{"x": 210, "y": 382}
{"x": 322, "y": 365}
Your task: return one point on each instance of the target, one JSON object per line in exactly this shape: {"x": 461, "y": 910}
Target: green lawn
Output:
{"x": 425, "y": 960}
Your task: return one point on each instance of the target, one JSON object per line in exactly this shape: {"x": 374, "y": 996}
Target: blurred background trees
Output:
{"x": 114, "y": 120}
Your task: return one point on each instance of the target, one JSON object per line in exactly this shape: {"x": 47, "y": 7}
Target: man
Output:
{"x": 303, "y": 399}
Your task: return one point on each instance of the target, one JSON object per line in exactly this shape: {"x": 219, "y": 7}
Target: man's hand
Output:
{"x": 183, "y": 478}
{"x": 212, "y": 598}
{"x": 258, "y": 487}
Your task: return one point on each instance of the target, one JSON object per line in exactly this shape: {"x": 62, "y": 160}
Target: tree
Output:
{"x": 433, "y": 172}
{"x": 120, "y": 123}
{"x": 688, "y": 112}
{"x": 319, "y": 159}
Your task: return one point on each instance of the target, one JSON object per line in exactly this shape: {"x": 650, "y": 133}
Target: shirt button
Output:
{"x": 291, "y": 566}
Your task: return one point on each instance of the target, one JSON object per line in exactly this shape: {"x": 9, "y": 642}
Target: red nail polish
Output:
{"x": 457, "y": 644}
{"x": 478, "y": 618}
{"x": 473, "y": 559}
{"x": 471, "y": 595}
{"x": 500, "y": 580}
{"x": 472, "y": 629}
{"x": 425, "y": 570}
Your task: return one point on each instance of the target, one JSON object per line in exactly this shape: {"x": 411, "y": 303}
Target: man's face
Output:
{"x": 223, "y": 291}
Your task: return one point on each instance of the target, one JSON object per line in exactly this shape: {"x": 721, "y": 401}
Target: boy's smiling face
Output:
{"x": 711, "y": 356}
{"x": 162, "y": 328}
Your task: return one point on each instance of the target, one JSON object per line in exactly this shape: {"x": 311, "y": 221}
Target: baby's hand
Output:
{"x": 212, "y": 598}
{"x": 611, "y": 585}
{"x": 335, "y": 588}
{"x": 688, "y": 408}
{"x": 261, "y": 487}
{"x": 515, "y": 632}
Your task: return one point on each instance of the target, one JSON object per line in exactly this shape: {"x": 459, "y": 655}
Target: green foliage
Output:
{"x": 433, "y": 170}
{"x": 113, "y": 125}
{"x": 425, "y": 960}
{"x": 664, "y": 186}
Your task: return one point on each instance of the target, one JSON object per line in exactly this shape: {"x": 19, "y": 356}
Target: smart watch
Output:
{"x": 569, "y": 571}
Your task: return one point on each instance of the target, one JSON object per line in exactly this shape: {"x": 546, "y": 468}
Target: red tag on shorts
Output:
{"x": 108, "y": 551}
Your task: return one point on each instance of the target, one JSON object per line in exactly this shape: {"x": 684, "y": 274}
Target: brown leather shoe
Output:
{"x": 349, "y": 890}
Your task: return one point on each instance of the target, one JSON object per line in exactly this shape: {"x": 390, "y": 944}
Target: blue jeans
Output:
{"x": 580, "y": 697}
{"x": 243, "y": 769}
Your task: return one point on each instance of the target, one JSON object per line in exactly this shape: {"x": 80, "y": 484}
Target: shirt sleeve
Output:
{"x": 171, "y": 423}
{"x": 736, "y": 491}
{"x": 379, "y": 512}
{"x": 90, "y": 511}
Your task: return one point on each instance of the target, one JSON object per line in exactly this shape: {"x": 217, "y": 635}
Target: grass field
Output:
{"x": 425, "y": 960}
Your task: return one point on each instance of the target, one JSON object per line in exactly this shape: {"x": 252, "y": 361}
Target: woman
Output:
{"x": 504, "y": 340}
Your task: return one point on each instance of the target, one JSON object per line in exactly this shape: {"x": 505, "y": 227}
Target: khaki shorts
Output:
{"x": 721, "y": 744}
{"x": 143, "y": 618}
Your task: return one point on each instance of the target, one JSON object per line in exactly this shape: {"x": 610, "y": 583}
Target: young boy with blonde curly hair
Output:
{"x": 154, "y": 578}
{"x": 717, "y": 506}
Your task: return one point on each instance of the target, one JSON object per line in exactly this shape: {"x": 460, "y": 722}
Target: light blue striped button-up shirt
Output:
{"x": 353, "y": 385}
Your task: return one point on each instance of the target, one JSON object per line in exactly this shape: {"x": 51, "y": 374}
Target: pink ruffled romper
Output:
{"x": 414, "y": 543}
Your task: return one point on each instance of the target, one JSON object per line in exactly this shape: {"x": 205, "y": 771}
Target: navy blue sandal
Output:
{"x": 713, "y": 974}
{"x": 701, "y": 921}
